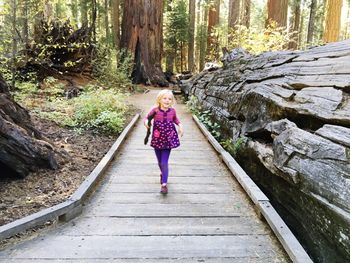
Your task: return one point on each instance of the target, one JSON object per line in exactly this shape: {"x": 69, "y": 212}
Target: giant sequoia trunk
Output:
{"x": 293, "y": 110}
{"x": 277, "y": 11}
{"x": 22, "y": 148}
{"x": 142, "y": 36}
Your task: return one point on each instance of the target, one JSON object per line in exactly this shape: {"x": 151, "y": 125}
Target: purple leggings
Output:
{"x": 163, "y": 158}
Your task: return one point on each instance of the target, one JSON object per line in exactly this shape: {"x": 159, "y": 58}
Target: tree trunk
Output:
{"x": 203, "y": 37}
{"x": 74, "y": 7}
{"x": 246, "y": 13}
{"x": 14, "y": 42}
{"x": 48, "y": 14}
{"x": 233, "y": 17}
{"x": 332, "y": 23}
{"x": 115, "y": 23}
{"x": 198, "y": 30}
{"x": 106, "y": 21}
{"x": 25, "y": 29}
{"x": 84, "y": 12}
{"x": 234, "y": 11}
{"x": 311, "y": 25}
{"x": 277, "y": 11}
{"x": 142, "y": 36}
{"x": 293, "y": 44}
{"x": 22, "y": 148}
{"x": 192, "y": 18}
{"x": 94, "y": 20}
{"x": 213, "y": 21}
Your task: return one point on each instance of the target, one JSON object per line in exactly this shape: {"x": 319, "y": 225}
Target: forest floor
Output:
{"x": 45, "y": 188}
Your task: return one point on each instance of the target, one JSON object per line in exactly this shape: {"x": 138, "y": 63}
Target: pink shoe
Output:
{"x": 164, "y": 189}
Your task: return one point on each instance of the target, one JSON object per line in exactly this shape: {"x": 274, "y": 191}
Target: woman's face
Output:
{"x": 166, "y": 101}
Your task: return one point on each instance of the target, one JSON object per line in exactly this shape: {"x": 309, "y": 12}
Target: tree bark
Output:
{"x": 142, "y": 36}
{"x": 203, "y": 38}
{"x": 213, "y": 21}
{"x": 192, "y": 18}
{"x": 277, "y": 11}
{"x": 25, "y": 29}
{"x": 311, "y": 25}
{"x": 22, "y": 148}
{"x": 14, "y": 42}
{"x": 234, "y": 11}
{"x": 246, "y": 13}
{"x": 198, "y": 28}
{"x": 116, "y": 23}
{"x": 94, "y": 20}
{"x": 332, "y": 23}
{"x": 84, "y": 12}
{"x": 74, "y": 6}
{"x": 293, "y": 44}
{"x": 106, "y": 20}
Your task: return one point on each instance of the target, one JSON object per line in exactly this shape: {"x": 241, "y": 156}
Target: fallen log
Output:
{"x": 22, "y": 147}
{"x": 293, "y": 110}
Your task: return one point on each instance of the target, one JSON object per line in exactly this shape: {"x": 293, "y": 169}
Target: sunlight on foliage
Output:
{"x": 96, "y": 109}
{"x": 232, "y": 146}
{"x": 258, "y": 41}
{"x": 113, "y": 68}
{"x": 193, "y": 105}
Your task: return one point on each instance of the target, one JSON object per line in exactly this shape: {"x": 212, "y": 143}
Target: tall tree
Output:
{"x": 94, "y": 19}
{"x": 311, "y": 24}
{"x": 213, "y": 21}
{"x": 106, "y": 7}
{"x": 74, "y": 7}
{"x": 197, "y": 30}
{"x": 14, "y": 40}
{"x": 234, "y": 11}
{"x": 84, "y": 12}
{"x": 176, "y": 34}
{"x": 192, "y": 18}
{"x": 332, "y": 23}
{"x": 25, "y": 28}
{"x": 246, "y": 4}
{"x": 295, "y": 24}
{"x": 277, "y": 11}
{"x": 169, "y": 48}
{"x": 116, "y": 23}
{"x": 202, "y": 34}
{"x": 142, "y": 36}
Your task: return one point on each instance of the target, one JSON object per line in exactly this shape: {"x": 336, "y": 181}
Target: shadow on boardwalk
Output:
{"x": 206, "y": 217}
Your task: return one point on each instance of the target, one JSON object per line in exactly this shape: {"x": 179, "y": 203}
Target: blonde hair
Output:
{"x": 162, "y": 93}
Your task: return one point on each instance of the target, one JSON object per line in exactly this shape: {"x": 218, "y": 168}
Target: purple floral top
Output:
{"x": 164, "y": 135}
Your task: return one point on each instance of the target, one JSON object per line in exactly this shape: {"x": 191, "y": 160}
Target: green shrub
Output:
{"x": 193, "y": 105}
{"x": 103, "y": 110}
{"x": 206, "y": 118}
{"x": 99, "y": 110}
{"x": 109, "y": 122}
{"x": 233, "y": 146}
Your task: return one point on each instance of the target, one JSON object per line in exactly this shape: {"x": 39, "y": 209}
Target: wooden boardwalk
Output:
{"x": 206, "y": 216}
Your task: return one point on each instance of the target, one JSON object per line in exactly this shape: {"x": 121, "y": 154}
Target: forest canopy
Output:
{"x": 182, "y": 34}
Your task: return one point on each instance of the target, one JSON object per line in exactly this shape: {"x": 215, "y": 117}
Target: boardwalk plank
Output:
{"x": 145, "y": 247}
{"x": 206, "y": 217}
{"x": 113, "y": 226}
{"x": 166, "y": 210}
